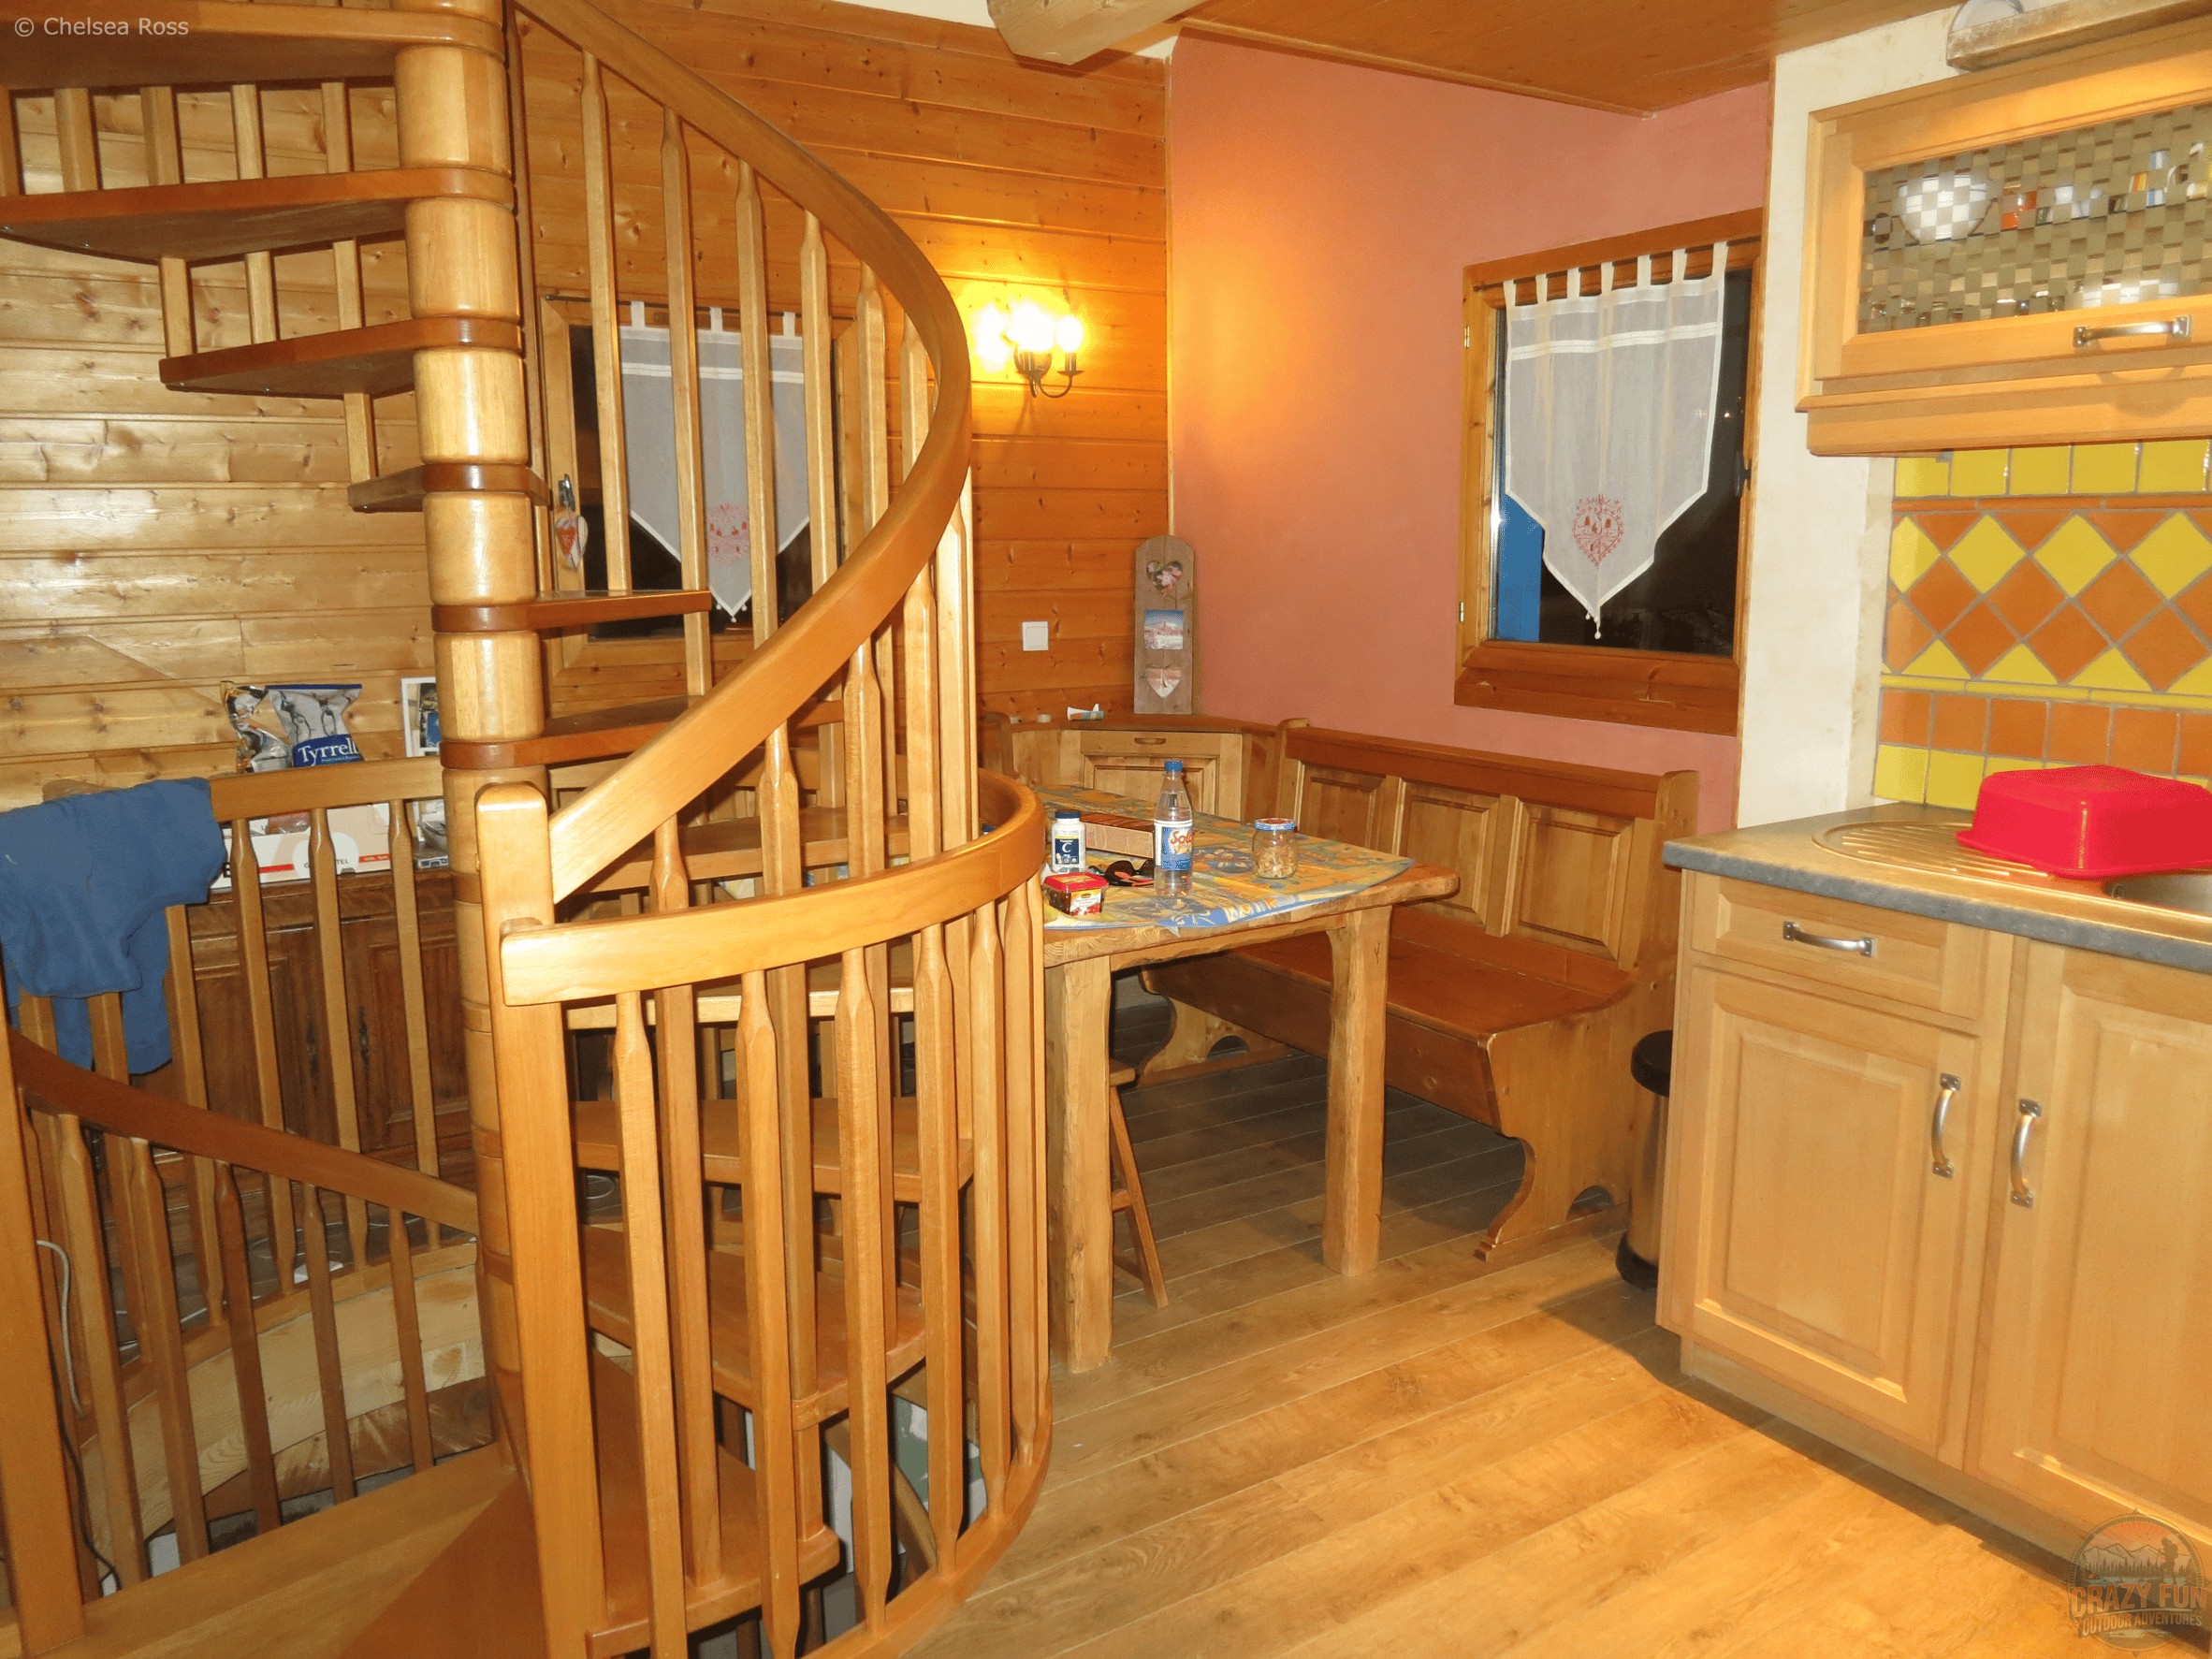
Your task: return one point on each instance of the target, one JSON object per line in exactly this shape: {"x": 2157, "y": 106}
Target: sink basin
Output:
{"x": 2190, "y": 890}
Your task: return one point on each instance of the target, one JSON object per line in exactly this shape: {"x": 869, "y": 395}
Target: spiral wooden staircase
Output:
{"x": 756, "y": 1337}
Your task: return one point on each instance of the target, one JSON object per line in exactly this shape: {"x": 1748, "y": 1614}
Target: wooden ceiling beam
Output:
{"x": 1070, "y": 31}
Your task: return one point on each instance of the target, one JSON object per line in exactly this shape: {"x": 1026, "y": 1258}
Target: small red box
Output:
{"x": 2092, "y": 822}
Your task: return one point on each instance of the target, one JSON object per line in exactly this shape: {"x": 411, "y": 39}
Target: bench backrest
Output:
{"x": 1552, "y": 857}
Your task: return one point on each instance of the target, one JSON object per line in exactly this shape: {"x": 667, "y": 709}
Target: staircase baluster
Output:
{"x": 407, "y": 1327}
{"x": 683, "y": 1185}
{"x": 642, "y": 1224}
{"x": 183, "y": 990}
{"x": 245, "y": 1349}
{"x": 11, "y": 147}
{"x": 76, "y": 138}
{"x": 253, "y": 162}
{"x": 337, "y": 1017}
{"x": 34, "y": 1507}
{"x": 165, "y": 165}
{"x": 537, "y": 381}
{"x": 870, "y": 1291}
{"x": 771, "y": 1275}
{"x": 986, "y": 1021}
{"x": 1029, "y": 1358}
{"x": 253, "y": 956}
{"x": 414, "y": 1000}
{"x": 329, "y": 1361}
{"x": 683, "y": 385}
{"x": 143, "y": 1221}
{"x": 606, "y": 342}
{"x": 815, "y": 330}
{"x": 338, "y": 154}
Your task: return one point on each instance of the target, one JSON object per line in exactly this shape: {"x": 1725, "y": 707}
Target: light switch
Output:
{"x": 1036, "y": 636}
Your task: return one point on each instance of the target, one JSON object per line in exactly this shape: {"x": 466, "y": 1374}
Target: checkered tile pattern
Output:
{"x": 2031, "y": 629}
{"x": 2101, "y": 215}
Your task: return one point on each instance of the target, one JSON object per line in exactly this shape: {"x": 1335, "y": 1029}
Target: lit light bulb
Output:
{"x": 1068, "y": 334}
{"x": 1031, "y": 327}
{"x": 989, "y": 324}
{"x": 992, "y": 353}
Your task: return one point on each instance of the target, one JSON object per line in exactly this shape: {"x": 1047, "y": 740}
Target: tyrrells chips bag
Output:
{"x": 282, "y": 727}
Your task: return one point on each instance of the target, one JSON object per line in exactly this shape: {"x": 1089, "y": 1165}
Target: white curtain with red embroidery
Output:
{"x": 649, "y": 430}
{"x": 1610, "y": 401}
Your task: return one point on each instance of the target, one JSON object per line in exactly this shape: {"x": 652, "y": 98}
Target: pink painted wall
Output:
{"x": 1320, "y": 216}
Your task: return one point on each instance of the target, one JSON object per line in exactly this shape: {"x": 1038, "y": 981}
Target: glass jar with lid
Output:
{"x": 1274, "y": 848}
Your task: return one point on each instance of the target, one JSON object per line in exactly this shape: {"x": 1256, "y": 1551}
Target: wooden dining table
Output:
{"x": 1079, "y": 968}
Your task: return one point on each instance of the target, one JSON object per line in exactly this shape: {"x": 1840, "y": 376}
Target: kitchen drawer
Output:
{"x": 1922, "y": 964}
{"x": 1130, "y": 763}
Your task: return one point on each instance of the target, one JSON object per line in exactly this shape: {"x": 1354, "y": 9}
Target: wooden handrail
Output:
{"x": 738, "y": 716}
{"x": 623, "y": 955}
{"x": 267, "y": 795}
{"x": 122, "y": 1110}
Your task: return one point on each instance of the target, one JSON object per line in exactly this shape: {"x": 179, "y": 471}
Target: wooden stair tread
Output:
{"x": 223, "y": 42}
{"x": 221, "y": 218}
{"x": 593, "y": 734}
{"x": 607, "y": 1310}
{"x": 599, "y": 1145}
{"x": 351, "y": 1563}
{"x": 378, "y": 359}
{"x": 547, "y": 612}
{"x": 403, "y": 492}
{"x": 721, "y": 1002}
{"x": 623, "y": 1527}
{"x": 730, "y": 849}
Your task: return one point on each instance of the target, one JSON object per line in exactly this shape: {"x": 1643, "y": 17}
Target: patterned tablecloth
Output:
{"x": 1223, "y": 889}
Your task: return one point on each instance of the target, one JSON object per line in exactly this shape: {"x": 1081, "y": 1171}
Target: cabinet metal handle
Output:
{"x": 2174, "y": 329}
{"x": 1826, "y": 942}
{"x": 1948, "y": 1093}
{"x": 2023, "y": 1195}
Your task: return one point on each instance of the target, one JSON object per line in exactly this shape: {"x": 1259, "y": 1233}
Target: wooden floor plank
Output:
{"x": 1441, "y": 1458}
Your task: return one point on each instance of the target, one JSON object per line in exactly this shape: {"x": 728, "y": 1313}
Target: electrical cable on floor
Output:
{"x": 71, "y": 1408}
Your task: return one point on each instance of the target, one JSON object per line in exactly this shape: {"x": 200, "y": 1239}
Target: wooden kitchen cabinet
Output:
{"x": 2030, "y": 1335}
{"x": 2098, "y": 1398}
{"x": 1828, "y": 1247}
{"x": 1929, "y": 324}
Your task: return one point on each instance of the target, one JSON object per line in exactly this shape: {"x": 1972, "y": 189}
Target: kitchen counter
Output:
{"x": 1906, "y": 858}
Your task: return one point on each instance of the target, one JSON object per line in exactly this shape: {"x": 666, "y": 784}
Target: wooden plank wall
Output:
{"x": 1008, "y": 175}
{"x": 153, "y": 544}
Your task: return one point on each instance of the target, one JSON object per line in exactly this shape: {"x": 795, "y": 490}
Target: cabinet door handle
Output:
{"x": 2023, "y": 1195}
{"x": 2174, "y": 329}
{"x": 1947, "y": 1093}
{"x": 1826, "y": 942}
{"x": 1151, "y": 742}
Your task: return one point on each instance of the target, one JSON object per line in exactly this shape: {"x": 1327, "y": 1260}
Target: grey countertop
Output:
{"x": 1905, "y": 859}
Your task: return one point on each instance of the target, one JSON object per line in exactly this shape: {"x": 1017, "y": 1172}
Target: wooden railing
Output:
{"x": 242, "y": 1311}
{"x": 785, "y": 1281}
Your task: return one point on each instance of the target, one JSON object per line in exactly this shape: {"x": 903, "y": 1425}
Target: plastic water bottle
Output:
{"x": 1171, "y": 835}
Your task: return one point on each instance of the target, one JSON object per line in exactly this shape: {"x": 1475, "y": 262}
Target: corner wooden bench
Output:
{"x": 1517, "y": 1000}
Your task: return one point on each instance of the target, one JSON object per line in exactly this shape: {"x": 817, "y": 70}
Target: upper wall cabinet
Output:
{"x": 2022, "y": 255}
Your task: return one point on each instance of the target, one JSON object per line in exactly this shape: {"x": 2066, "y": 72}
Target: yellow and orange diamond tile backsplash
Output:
{"x": 2047, "y": 607}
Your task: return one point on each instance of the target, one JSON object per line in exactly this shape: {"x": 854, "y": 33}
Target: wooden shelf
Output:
{"x": 551, "y": 611}
{"x": 379, "y": 359}
{"x": 221, "y": 218}
{"x": 403, "y": 492}
{"x": 594, "y": 735}
{"x": 223, "y": 43}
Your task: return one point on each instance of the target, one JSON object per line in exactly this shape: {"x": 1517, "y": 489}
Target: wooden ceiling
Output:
{"x": 1637, "y": 55}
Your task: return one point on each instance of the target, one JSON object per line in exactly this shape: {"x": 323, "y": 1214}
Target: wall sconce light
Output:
{"x": 1029, "y": 337}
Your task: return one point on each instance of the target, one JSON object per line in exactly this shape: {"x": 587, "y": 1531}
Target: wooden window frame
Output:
{"x": 1678, "y": 691}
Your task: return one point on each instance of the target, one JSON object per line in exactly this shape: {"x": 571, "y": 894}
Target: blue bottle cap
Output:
{"x": 1174, "y": 765}
{"x": 1067, "y": 812}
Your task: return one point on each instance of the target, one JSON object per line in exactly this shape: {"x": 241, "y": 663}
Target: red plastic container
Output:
{"x": 2092, "y": 822}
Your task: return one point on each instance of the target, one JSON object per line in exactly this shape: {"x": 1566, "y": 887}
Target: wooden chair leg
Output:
{"x": 1129, "y": 1195}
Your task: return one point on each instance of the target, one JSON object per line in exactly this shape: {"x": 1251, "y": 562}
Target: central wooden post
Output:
{"x": 471, "y": 407}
